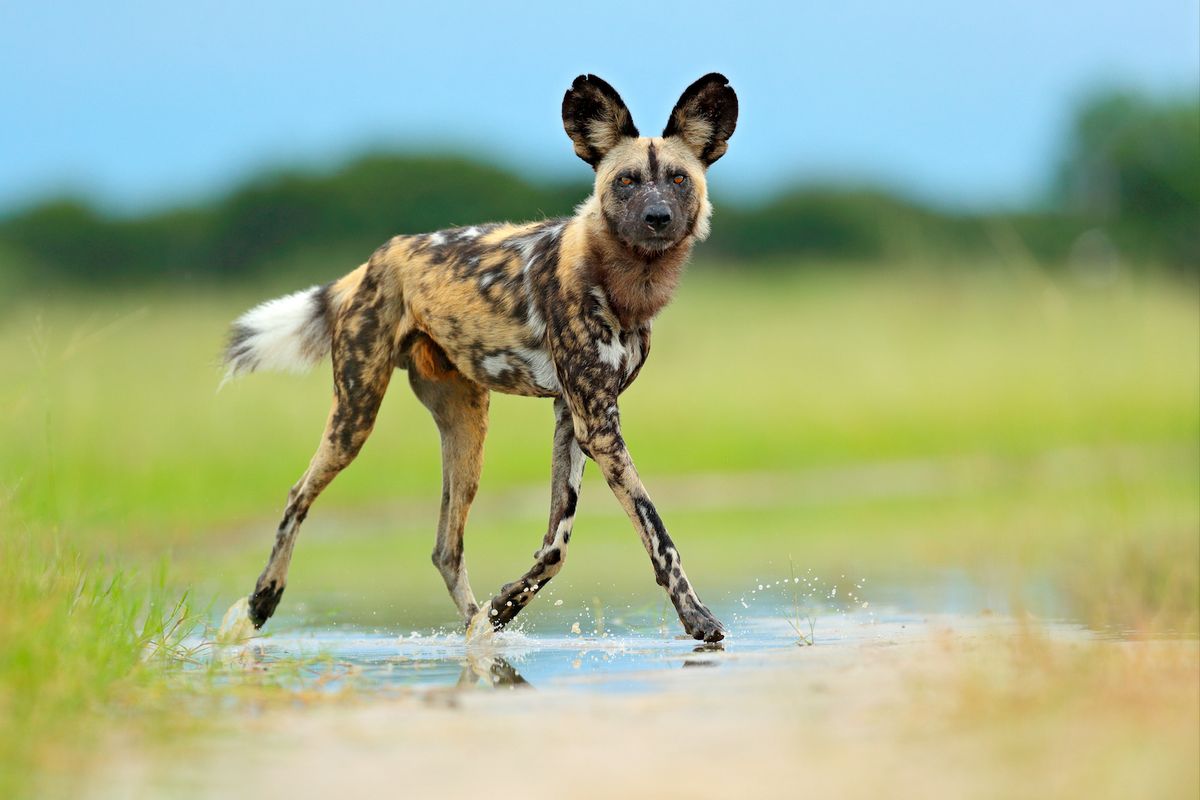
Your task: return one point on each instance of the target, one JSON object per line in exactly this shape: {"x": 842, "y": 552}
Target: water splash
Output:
{"x": 802, "y": 599}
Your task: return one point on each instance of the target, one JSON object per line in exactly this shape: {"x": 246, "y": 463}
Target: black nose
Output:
{"x": 658, "y": 216}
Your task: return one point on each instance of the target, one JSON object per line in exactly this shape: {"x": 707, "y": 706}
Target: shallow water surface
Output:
{"x": 634, "y": 660}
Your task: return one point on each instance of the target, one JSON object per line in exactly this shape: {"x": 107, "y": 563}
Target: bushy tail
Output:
{"x": 288, "y": 334}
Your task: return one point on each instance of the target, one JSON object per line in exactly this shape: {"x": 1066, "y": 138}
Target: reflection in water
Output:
{"x": 707, "y": 647}
{"x": 494, "y": 670}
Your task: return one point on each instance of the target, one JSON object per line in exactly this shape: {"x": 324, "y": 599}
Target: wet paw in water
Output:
{"x": 700, "y": 624}
{"x": 236, "y": 625}
{"x": 481, "y": 628}
{"x": 263, "y": 603}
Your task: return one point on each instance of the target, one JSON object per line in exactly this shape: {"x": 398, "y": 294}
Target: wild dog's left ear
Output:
{"x": 595, "y": 118}
{"x": 705, "y": 116}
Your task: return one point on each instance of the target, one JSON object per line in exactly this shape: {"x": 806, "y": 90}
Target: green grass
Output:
{"x": 79, "y": 639}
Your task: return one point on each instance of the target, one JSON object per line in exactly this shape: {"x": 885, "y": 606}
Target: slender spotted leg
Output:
{"x": 602, "y": 438}
{"x": 362, "y": 367}
{"x": 566, "y": 472}
{"x": 591, "y": 361}
{"x": 591, "y": 386}
{"x": 460, "y": 408}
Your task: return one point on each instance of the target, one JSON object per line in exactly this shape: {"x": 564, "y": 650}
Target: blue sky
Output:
{"x": 960, "y": 102}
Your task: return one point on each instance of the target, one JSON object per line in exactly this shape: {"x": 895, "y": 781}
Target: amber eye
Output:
{"x": 679, "y": 179}
{"x": 626, "y": 181}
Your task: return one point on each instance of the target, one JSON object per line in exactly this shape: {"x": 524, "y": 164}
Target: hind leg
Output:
{"x": 362, "y": 366}
{"x": 460, "y": 408}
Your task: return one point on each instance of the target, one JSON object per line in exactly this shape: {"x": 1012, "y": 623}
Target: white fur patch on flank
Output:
{"x": 535, "y": 323}
{"x": 538, "y": 364}
{"x": 496, "y": 364}
{"x": 287, "y": 334}
{"x": 437, "y": 239}
{"x": 541, "y": 366}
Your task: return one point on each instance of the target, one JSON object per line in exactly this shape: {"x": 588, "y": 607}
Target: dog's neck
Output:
{"x": 638, "y": 284}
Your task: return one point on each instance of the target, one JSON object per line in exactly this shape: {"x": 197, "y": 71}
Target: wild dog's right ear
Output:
{"x": 705, "y": 116}
{"x": 595, "y": 118}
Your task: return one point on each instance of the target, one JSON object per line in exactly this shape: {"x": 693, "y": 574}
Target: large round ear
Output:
{"x": 705, "y": 116}
{"x": 595, "y": 118}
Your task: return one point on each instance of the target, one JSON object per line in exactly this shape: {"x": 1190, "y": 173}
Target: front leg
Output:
{"x": 601, "y": 438}
{"x": 594, "y": 364}
{"x": 566, "y": 472}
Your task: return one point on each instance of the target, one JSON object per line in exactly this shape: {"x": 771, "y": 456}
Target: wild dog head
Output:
{"x": 651, "y": 190}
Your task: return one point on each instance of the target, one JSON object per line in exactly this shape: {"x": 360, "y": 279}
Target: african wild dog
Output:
{"x": 560, "y": 308}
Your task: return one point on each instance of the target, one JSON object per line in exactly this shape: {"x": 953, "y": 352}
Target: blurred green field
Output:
{"x": 881, "y": 422}
{"x": 111, "y": 415}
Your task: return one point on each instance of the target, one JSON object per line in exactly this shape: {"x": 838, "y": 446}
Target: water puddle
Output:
{"x": 636, "y": 659}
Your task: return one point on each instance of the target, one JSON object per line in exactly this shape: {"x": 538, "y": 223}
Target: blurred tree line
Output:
{"x": 1128, "y": 187}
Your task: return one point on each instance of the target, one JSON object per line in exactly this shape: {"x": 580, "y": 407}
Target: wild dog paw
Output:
{"x": 235, "y": 625}
{"x": 264, "y": 602}
{"x": 700, "y": 624}
{"x": 482, "y": 626}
